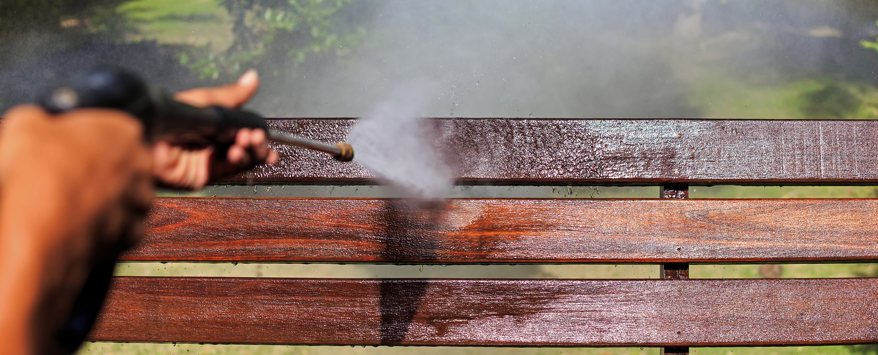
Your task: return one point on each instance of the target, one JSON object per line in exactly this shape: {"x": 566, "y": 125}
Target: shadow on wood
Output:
{"x": 405, "y": 223}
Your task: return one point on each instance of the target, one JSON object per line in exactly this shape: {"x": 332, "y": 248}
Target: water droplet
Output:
{"x": 531, "y": 115}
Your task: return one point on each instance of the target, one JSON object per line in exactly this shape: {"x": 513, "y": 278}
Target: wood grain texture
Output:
{"x": 674, "y": 313}
{"x": 550, "y": 151}
{"x": 509, "y": 230}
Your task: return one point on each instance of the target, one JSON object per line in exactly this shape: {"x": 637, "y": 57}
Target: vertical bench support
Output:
{"x": 675, "y": 271}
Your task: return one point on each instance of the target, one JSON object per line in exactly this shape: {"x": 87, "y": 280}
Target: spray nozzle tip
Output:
{"x": 346, "y": 153}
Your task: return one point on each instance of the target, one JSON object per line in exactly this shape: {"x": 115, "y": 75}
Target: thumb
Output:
{"x": 232, "y": 95}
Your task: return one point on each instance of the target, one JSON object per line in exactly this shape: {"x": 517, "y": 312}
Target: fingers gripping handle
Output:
{"x": 163, "y": 117}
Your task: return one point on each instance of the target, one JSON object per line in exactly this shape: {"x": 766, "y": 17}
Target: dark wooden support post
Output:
{"x": 677, "y": 191}
{"x": 675, "y": 271}
{"x": 675, "y": 351}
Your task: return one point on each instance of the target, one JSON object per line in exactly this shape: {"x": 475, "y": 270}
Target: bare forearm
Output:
{"x": 29, "y": 267}
{"x": 19, "y": 289}
{"x": 64, "y": 196}
{"x": 74, "y": 190}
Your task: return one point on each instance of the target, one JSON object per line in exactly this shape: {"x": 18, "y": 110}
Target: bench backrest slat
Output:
{"x": 509, "y": 231}
{"x": 491, "y": 312}
{"x": 568, "y": 151}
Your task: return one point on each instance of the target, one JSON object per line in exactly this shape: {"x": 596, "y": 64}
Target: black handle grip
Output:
{"x": 106, "y": 87}
{"x": 163, "y": 117}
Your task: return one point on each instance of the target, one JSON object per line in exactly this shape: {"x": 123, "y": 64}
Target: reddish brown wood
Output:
{"x": 510, "y": 231}
{"x": 546, "y": 151}
{"x": 673, "y": 313}
{"x": 675, "y": 271}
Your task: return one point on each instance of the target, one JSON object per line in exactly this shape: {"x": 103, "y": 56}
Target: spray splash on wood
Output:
{"x": 400, "y": 148}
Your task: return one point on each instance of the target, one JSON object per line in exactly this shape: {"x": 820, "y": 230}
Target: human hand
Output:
{"x": 75, "y": 188}
{"x": 192, "y": 169}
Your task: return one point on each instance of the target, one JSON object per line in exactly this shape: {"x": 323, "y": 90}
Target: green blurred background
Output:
{"x": 772, "y": 59}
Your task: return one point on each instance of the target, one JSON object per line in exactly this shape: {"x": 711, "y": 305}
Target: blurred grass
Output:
{"x": 389, "y": 271}
{"x": 801, "y": 350}
{"x": 722, "y": 94}
{"x": 189, "y": 22}
{"x": 783, "y": 192}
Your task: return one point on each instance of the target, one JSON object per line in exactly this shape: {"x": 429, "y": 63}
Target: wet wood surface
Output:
{"x": 509, "y": 230}
{"x": 562, "y": 151}
{"x": 672, "y": 313}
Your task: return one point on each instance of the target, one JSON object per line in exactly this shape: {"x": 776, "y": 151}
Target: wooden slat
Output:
{"x": 509, "y": 231}
{"x": 549, "y": 151}
{"x": 674, "y": 313}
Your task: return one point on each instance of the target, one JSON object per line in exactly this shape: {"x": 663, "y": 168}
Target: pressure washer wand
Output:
{"x": 341, "y": 151}
{"x": 167, "y": 119}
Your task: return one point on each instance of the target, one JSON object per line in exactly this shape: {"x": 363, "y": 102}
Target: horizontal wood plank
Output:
{"x": 562, "y": 151}
{"x": 509, "y": 231}
{"x": 757, "y": 312}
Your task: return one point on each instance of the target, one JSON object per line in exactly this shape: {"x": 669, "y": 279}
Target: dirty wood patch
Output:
{"x": 671, "y": 313}
{"x": 509, "y": 231}
{"x": 561, "y": 151}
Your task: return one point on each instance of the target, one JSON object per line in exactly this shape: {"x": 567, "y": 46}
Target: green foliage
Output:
{"x": 216, "y": 39}
{"x": 870, "y": 44}
{"x": 289, "y": 32}
{"x": 178, "y": 22}
{"x": 47, "y": 15}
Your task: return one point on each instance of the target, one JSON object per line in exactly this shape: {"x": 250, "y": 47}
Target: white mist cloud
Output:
{"x": 395, "y": 143}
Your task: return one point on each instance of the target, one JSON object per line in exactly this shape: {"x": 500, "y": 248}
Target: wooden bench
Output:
{"x": 674, "y": 312}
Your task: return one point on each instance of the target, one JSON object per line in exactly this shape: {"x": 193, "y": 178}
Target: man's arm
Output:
{"x": 75, "y": 187}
